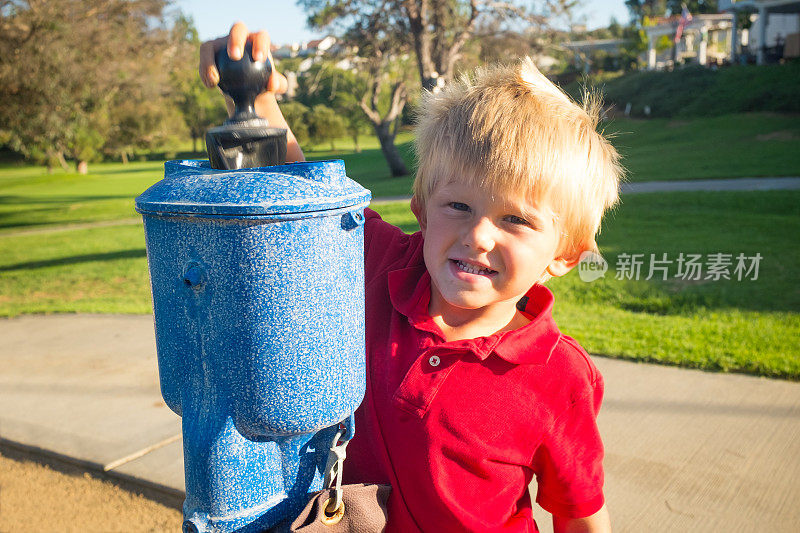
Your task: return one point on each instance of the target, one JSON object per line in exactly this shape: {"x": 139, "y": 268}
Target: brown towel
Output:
{"x": 364, "y": 511}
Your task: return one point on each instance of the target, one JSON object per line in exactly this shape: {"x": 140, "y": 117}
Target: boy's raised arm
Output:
{"x": 266, "y": 104}
{"x": 599, "y": 522}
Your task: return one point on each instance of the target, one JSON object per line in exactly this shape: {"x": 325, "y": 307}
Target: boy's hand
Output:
{"x": 265, "y": 105}
{"x": 596, "y": 523}
{"x": 235, "y": 42}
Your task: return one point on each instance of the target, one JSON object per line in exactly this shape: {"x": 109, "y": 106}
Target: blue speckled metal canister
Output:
{"x": 258, "y": 294}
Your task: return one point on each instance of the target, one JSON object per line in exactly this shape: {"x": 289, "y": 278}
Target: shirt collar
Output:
{"x": 410, "y": 293}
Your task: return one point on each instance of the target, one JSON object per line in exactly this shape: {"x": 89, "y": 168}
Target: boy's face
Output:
{"x": 485, "y": 253}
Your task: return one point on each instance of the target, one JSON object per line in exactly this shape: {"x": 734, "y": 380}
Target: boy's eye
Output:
{"x": 518, "y": 220}
{"x": 459, "y": 206}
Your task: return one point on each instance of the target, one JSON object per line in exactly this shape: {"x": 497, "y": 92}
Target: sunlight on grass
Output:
{"x": 749, "y": 325}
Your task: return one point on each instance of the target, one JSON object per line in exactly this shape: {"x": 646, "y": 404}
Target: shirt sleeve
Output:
{"x": 569, "y": 462}
{"x": 385, "y": 246}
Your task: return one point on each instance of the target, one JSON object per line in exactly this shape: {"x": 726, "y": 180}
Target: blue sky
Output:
{"x": 287, "y": 23}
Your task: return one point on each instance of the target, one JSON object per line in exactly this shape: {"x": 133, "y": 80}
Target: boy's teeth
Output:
{"x": 471, "y": 269}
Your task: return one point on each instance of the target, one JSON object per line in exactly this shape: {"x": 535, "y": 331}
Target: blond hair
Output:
{"x": 512, "y": 132}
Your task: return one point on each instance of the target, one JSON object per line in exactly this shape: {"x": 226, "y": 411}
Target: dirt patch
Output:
{"x": 50, "y": 496}
{"x": 782, "y": 135}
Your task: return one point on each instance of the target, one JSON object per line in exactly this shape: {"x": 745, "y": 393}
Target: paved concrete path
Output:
{"x": 686, "y": 450}
{"x": 733, "y": 184}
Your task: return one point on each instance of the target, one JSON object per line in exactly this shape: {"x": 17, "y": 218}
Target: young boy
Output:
{"x": 471, "y": 388}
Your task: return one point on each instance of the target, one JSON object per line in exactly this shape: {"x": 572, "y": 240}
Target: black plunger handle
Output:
{"x": 242, "y": 80}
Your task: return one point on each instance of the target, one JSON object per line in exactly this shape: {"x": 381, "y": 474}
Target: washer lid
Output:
{"x": 192, "y": 187}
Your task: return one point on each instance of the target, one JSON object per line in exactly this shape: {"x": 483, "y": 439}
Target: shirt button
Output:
{"x": 434, "y": 360}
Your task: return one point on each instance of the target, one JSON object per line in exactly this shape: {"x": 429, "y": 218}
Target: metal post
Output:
{"x": 702, "y": 51}
{"x": 651, "y": 53}
{"x": 763, "y": 18}
{"x": 734, "y": 39}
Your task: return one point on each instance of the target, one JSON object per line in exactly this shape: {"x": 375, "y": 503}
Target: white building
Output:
{"x": 775, "y": 23}
{"x": 313, "y": 48}
{"x": 706, "y": 39}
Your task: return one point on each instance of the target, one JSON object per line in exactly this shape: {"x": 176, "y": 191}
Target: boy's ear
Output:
{"x": 416, "y": 208}
{"x": 561, "y": 265}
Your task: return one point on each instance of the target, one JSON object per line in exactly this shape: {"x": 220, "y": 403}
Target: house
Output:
{"x": 313, "y": 48}
{"x": 583, "y": 51}
{"x": 775, "y": 30}
{"x": 706, "y": 39}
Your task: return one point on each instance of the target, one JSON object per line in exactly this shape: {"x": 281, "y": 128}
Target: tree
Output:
{"x": 325, "y": 125}
{"x": 296, "y": 115}
{"x": 64, "y": 94}
{"x": 440, "y": 29}
{"x": 615, "y": 29}
{"x": 340, "y": 89}
{"x": 437, "y": 30}
{"x": 385, "y": 118}
{"x": 635, "y": 43}
{"x": 201, "y": 108}
{"x": 640, "y": 9}
{"x": 694, "y": 6}
{"x": 378, "y": 36}
{"x": 355, "y": 122}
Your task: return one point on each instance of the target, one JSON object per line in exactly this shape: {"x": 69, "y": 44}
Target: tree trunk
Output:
{"x": 124, "y": 157}
{"x": 355, "y": 143}
{"x": 396, "y": 164}
{"x": 83, "y": 167}
{"x": 194, "y": 143}
{"x": 62, "y": 161}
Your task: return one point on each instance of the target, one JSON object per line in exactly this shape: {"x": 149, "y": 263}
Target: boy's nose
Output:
{"x": 479, "y": 235}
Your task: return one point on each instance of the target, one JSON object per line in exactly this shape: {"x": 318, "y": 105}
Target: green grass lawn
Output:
{"x": 30, "y": 197}
{"x": 750, "y": 325}
{"x": 719, "y": 147}
{"x": 744, "y": 145}
{"x": 747, "y": 326}
{"x": 369, "y": 167}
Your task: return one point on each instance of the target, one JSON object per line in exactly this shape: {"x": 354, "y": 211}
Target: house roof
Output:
{"x": 668, "y": 25}
{"x": 773, "y": 6}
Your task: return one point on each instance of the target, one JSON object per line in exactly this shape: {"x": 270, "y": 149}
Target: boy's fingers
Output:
{"x": 208, "y": 69}
{"x": 261, "y": 45}
{"x": 277, "y": 83}
{"x": 236, "y": 40}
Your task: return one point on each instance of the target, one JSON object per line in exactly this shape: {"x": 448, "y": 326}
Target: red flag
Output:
{"x": 686, "y": 17}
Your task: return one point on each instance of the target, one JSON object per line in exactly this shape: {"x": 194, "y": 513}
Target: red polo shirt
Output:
{"x": 460, "y": 428}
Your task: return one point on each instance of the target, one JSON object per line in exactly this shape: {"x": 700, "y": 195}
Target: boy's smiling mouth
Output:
{"x": 471, "y": 268}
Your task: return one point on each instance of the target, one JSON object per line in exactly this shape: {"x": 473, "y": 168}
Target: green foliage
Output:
{"x": 324, "y": 124}
{"x": 641, "y": 9}
{"x": 296, "y": 115}
{"x": 664, "y": 43}
{"x": 635, "y": 44}
{"x": 200, "y": 108}
{"x": 694, "y": 6}
{"x": 86, "y": 78}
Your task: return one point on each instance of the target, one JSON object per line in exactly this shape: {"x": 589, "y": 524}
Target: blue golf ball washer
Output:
{"x": 257, "y": 278}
